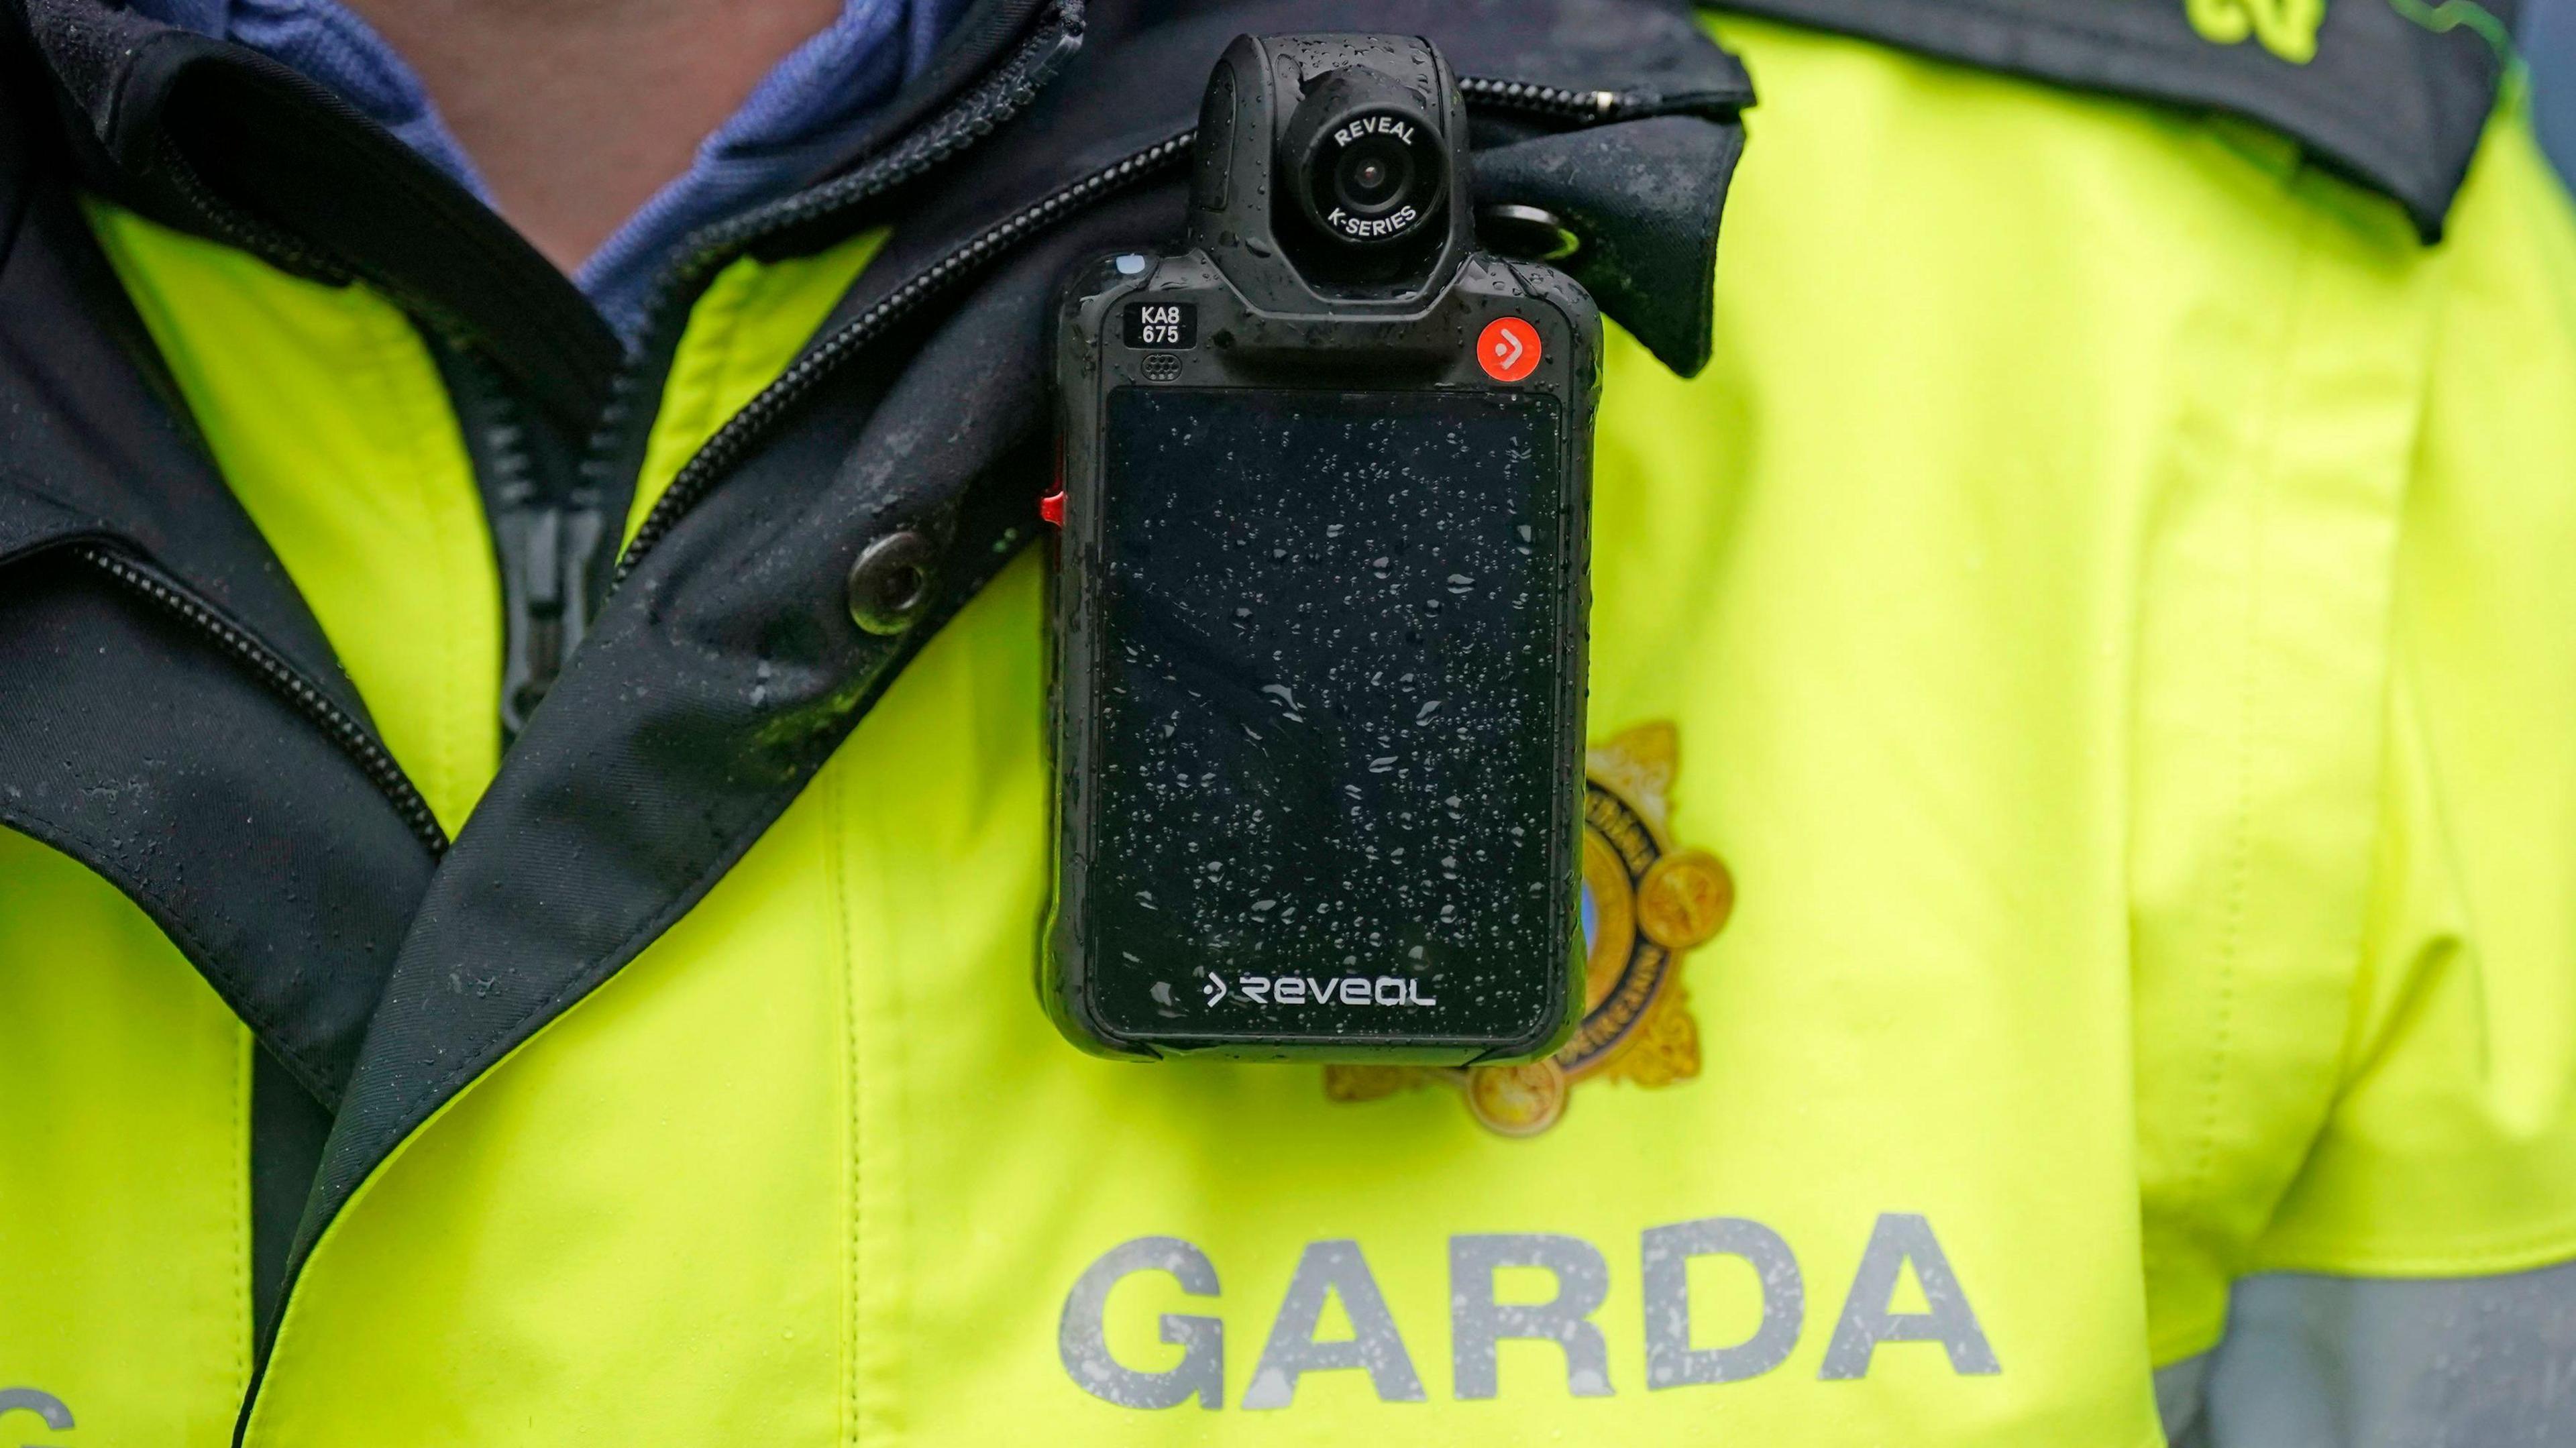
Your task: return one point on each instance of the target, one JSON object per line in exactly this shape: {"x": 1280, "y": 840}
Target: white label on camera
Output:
{"x": 1310, "y": 990}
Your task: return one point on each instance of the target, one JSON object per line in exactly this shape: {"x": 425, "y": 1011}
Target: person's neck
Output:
{"x": 577, "y": 111}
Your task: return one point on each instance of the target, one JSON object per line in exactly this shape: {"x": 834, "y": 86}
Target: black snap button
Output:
{"x": 890, "y": 584}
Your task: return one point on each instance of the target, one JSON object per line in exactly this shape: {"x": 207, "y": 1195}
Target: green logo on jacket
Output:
{"x": 2287, "y": 28}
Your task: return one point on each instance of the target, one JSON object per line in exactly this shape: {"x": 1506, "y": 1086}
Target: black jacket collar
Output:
{"x": 2394, "y": 103}
{"x": 214, "y": 138}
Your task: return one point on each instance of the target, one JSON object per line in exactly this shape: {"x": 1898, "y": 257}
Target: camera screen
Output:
{"x": 1327, "y": 711}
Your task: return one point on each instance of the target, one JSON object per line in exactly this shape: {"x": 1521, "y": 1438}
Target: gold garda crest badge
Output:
{"x": 1647, "y": 902}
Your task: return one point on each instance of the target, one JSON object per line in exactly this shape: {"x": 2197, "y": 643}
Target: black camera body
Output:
{"x": 1319, "y": 596}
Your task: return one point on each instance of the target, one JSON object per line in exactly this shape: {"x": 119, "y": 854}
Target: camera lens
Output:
{"x": 1368, "y": 165}
{"x": 1371, "y": 177}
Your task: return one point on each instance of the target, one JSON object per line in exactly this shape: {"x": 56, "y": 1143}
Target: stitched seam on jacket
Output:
{"x": 2257, "y": 476}
{"x": 245, "y": 1215}
{"x": 836, "y": 901}
{"x": 2323, "y": 1255}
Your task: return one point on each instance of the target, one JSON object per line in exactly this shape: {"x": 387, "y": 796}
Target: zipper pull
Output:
{"x": 546, "y": 556}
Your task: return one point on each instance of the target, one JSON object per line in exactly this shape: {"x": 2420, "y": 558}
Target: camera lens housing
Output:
{"x": 1364, "y": 158}
{"x": 1331, "y": 171}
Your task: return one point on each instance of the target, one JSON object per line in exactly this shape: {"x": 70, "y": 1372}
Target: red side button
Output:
{"x": 1508, "y": 349}
{"x": 1051, "y": 507}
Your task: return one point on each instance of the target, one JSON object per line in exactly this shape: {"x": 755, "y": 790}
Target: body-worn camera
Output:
{"x": 1320, "y": 596}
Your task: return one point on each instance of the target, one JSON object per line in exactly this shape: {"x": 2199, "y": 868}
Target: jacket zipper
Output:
{"x": 243, "y": 230}
{"x": 731, "y": 441}
{"x": 1547, "y": 100}
{"x": 744, "y": 427}
{"x": 548, "y": 546}
{"x": 547, "y": 525}
{"x": 344, "y": 728}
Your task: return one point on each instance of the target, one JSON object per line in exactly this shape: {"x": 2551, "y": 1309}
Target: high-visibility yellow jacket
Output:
{"x": 2105, "y": 608}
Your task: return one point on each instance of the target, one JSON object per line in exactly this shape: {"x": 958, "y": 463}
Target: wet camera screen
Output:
{"x": 1327, "y": 702}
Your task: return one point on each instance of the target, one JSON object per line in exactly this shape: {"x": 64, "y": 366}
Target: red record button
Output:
{"x": 1508, "y": 348}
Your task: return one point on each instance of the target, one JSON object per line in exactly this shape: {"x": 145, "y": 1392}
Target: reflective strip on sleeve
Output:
{"x": 2313, "y": 1361}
